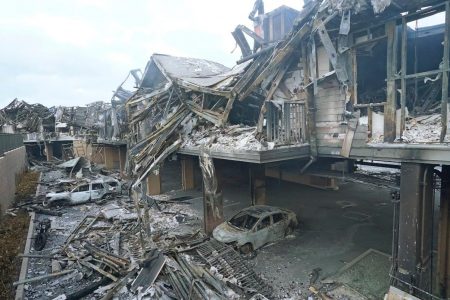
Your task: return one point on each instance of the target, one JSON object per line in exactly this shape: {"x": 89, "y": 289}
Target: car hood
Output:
{"x": 226, "y": 233}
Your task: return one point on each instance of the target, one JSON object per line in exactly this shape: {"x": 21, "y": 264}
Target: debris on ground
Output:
{"x": 127, "y": 249}
{"x": 423, "y": 129}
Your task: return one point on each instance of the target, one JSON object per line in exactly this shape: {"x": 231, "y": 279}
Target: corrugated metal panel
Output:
{"x": 10, "y": 142}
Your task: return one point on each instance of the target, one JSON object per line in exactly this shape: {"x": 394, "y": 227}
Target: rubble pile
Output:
{"x": 23, "y": 117}
{"x": 227, "y": 139}
{"x": 103, "y": 120}
{"x": 117, "y": 247}
{"x": 423, "y": 129}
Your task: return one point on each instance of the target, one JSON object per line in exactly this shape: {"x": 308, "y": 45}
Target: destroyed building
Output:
{"x": 352, "y": 79}
{"x": 96, "y": 131}
{"x": 325, "y": 96}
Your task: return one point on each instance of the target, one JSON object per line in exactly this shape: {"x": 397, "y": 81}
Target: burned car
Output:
{"x": 114, "y": 184}
{"x": 83, "y": 193}
{"x": 255, "y": 226}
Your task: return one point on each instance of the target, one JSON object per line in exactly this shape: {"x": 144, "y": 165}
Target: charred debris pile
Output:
{"x": 112, "y": 246}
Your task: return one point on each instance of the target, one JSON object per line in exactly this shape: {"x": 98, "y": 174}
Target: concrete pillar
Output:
{"x": 415, "y": 226}
{"x": 258, "y": 184}
{"x": 49, "y": 151}
{"x": 212, "y": 194}
{"x": 443, "y": 264}
{"x": 187, "y": 173}
{"x": 154, "y": 183}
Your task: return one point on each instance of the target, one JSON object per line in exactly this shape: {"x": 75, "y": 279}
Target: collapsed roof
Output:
{"x": 25, "y": 117}
{"x": 180, "y": 95}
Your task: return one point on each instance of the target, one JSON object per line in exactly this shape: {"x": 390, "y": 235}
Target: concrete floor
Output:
{"x": 335, "y": 226}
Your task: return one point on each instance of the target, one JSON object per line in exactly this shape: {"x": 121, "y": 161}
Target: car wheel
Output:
{"x": 107, "y": 197}
{"x": 289, "y": 230}
{"x": 246, "y": 249}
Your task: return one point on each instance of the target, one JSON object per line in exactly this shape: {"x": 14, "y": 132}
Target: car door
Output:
{"x": 261, "y": 234}
{"x": 80, "y": 194}
{"x": 97, "y": 191}
{"x": 278, "y": 226}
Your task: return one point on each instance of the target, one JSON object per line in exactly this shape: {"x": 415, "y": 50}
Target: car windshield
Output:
{"x": 243, "y": 221}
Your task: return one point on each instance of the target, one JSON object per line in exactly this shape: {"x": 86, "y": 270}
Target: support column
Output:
{"x": 404, "y": 71}
{"x": 445, "y": 107}
{"x": 443, "y": 264}
{"x": 109, "y": 157}
{"x": 391, "y": 102}
{"x": 122, "y": 158}
{"x": 154, "y": 183}
{"x": 49, "y": 151}
{"x": 415, "y": 228}
{"x": 187, "y": 173}
{"x": 258, "y": 184}
{"x": 212, "y": 194}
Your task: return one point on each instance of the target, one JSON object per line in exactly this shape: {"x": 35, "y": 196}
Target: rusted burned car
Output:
{"x": 83, "y": 193}
{"x": 255, "y": 226}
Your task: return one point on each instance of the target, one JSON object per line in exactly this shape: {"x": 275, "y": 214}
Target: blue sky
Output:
{"x": 71, "y": 53}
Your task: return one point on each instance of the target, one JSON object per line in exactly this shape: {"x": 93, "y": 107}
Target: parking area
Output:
{"x": 336, "y": 226}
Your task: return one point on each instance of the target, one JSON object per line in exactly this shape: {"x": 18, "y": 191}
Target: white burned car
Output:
{"x": 114, "y": 184}
{"x": 256, "y": 226}
{"x": 83, "y": 193}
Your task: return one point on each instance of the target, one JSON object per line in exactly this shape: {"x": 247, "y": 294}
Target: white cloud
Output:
{"x": 63, "y": 29}
{"x": 65, "y": 52}
{"x": 120, "y": 58}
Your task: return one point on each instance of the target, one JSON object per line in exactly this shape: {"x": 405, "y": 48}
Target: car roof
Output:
{"x": 97, "y": 181}
{"x": 262, "y": 210}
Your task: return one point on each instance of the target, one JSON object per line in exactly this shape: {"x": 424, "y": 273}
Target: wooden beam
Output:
{"x": 403, "y": 80}
{"x": 226, "y": 112}
{"x": 212, "y": 194}
{"x": 187, "y": 173}
{"x": 391, "y": 105}
{"x": 309, "y": 104}
{"x": 281, "y": 55}
{"x": 445, "y": 60}
{"x": 354, "y": 87}
{"x": 350, "y": 134}
{"x": 277, "y": 81}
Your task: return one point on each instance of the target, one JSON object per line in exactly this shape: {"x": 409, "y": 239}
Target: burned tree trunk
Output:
{"x": 212, "y": 194}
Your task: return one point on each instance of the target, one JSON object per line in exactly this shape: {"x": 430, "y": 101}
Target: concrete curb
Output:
{"x": 24, "y": 267}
